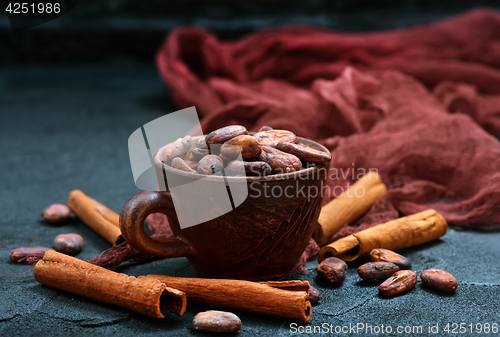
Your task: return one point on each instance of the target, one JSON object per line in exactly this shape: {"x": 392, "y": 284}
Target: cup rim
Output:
{"x": 271, "y": 177}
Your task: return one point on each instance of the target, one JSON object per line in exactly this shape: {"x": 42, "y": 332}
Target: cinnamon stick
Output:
{"x": 349, "y": 206}
{"x": 97, "y": 216}
{"x": 144, "y": 295}
{"x": 287, "y": 299}
{"x": 397, "y": 234}
{"x": 294, "y": 285}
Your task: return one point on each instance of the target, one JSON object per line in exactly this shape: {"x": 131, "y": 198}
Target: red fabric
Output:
{"x": 421, "y": 105}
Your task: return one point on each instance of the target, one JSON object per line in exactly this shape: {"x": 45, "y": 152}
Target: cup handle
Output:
{"x": 132, "y": 218}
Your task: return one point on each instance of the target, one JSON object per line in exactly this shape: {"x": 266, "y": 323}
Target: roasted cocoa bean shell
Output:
{"x": 305, "y": 153}
{"x": 265, "y": 128}
{"x": 280, "y": 161}
{"x": 377, "y": 271}
{"x": 180, "y": 164}
{"x": 179, "y": 148}
{"x": 199, "y": 153}
{"x": 70, "y": 244}
{"x": 56, "y": 213}
{"x": 400, "y": 282}
{"x": 439, "y": 279}
{"x": 314, "y": 295}
{"x": 251, "y": 168}
{"x": 222, "y": 135}
{"x": 216, "y": 321}
{"x": 386, "y": 255}
{"x": 210, "y": 164}
{"x": 22, "y": 252}
{"x": 248, "y": 146}
{"x": 332, "y": 269}
{"x": 273, "y": 137}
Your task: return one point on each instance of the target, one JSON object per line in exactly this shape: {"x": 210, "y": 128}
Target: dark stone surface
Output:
{"x": 66, "y": 127}
{"x": 121, "y": 30}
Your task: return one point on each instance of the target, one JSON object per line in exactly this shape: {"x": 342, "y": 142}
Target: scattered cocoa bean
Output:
{"x": 180, "y": 164}
{"x": 248, "y": 146}
{"x": 398, "y": 283}
{"x": 70, "y": 244}
{"x": 20, "y": 253}
{"x": 224, "y": 134}
{"x": 280, "y": 161}
{"x": 199, "y": 153}
{"x": 314, "y": 295}
{"x": 386, "y": 255}
{"x": 179, "y": 148}
{"x": 216, "y": 321}
{"x": 305, "y": 153}
{"x": 439, "y": 279}
{"x": 56, "y": 213}
{"x": 377, "y": 271}
{"x": 265, "y": 128}
{"x": 273, "y": 137}
{"x": 332, "y": 269}
{"x": 210, "y": 164}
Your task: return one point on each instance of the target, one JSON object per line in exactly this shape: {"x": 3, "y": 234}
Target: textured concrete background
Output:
{"x": 66, "y": 127}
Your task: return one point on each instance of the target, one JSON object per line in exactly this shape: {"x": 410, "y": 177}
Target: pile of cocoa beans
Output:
{"x": 266, "y": 152}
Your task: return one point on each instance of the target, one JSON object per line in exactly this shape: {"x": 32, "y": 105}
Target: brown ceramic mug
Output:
{"x": 262, "y": 238}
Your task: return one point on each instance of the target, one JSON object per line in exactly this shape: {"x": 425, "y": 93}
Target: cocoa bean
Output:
{"x": 386, "y": 255}
{"x": 305, "y": 153}
{"x": 189, "y": 156}
{"x": 210, "y": 164}
{"x": 248, "y": 146}
{"x": 398, "y": 283}
{"x": 70, "y": 244}
{"x": 252, "y": 168}
{"x": 56, "y": 213}
{"x": 179, "y": 148}
{"x": 222, "y": 135}
{"x": 200, "y": 143}
{"x": 280, "y": 161}
{"x": 199, "y": 153}
{"x": 191, "y": 164}
{"x": 257, "y": 168}
{"x": 216, "y": 321}
{"x": 314, "y": 295}
{"x": 265, "y": 128}
{"x": 439, "y": 279}
{"x": 332, "y": 269}
{"x": 377, "y": 271}
{"x": 273, "y": 137}
{"x": 180, "y": 164}
{"x": 236, "y": 168}
{"x": 20, "y": 253}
